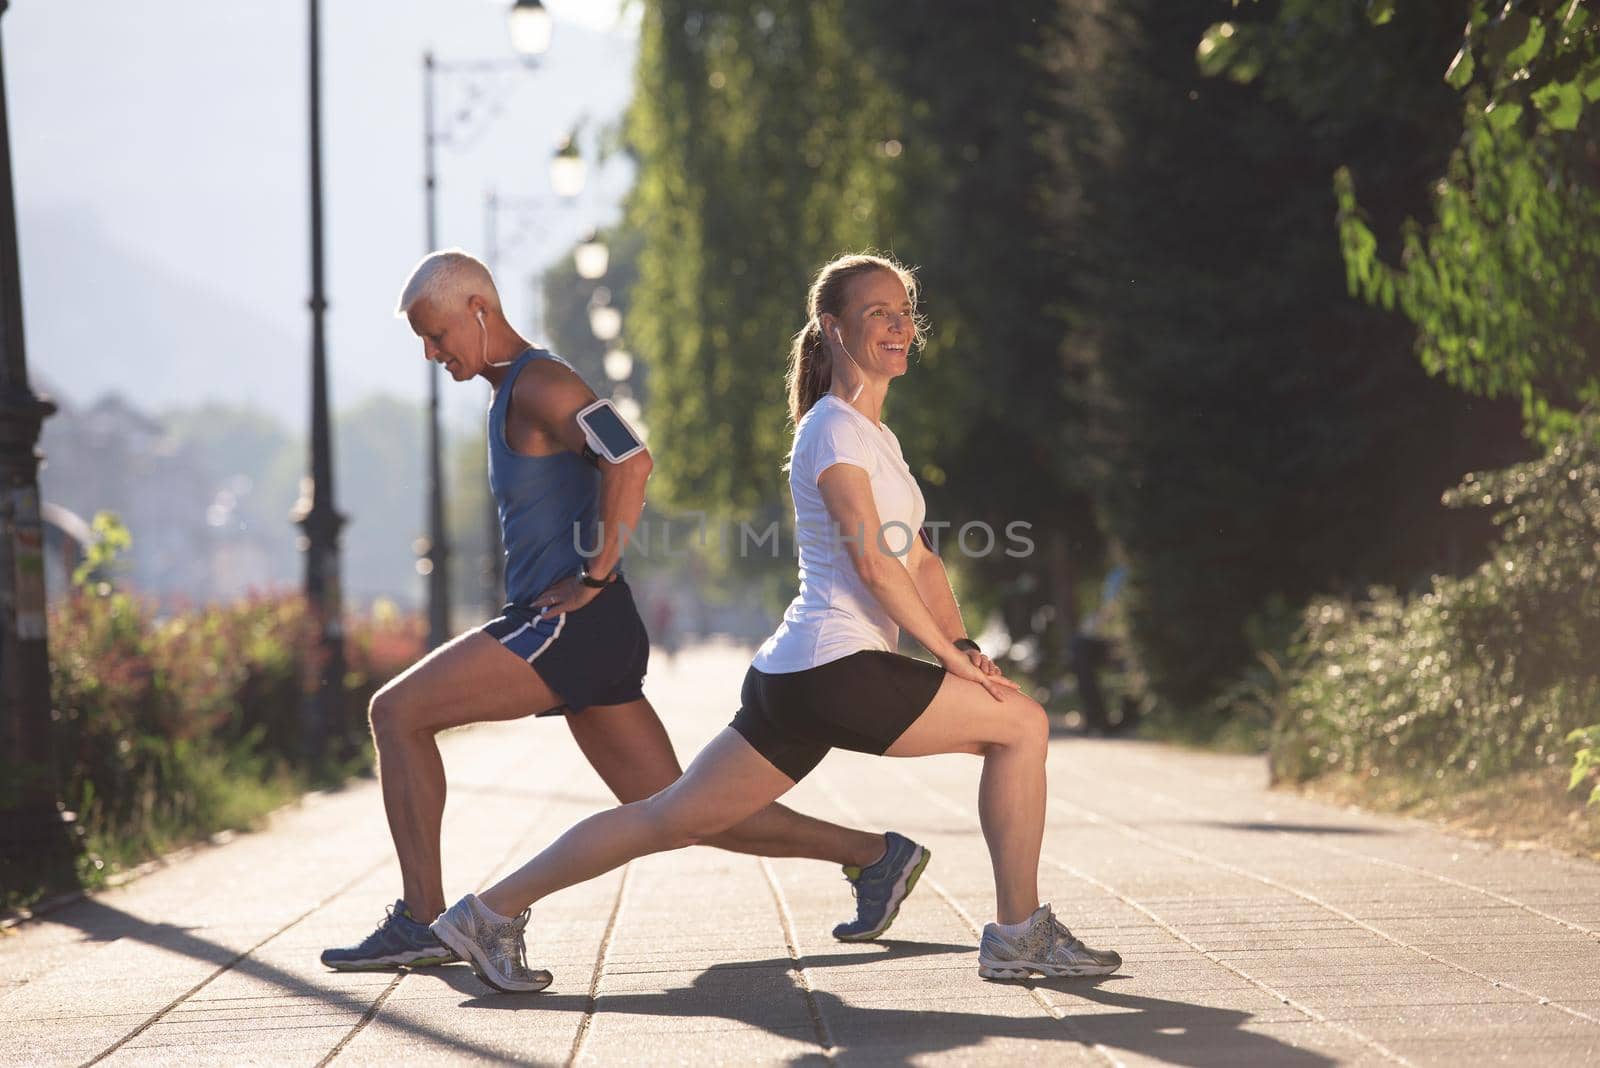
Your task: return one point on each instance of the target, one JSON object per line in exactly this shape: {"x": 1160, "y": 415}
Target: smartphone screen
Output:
{"x": 612, "y": 431}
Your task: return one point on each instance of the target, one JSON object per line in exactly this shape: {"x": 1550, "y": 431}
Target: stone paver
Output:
{"x": 1257, "y": 928}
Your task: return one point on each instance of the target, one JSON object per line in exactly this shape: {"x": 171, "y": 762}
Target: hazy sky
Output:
{"x": 159, "y": 153}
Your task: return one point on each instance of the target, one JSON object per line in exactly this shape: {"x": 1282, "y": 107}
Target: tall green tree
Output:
{"x": 1257, "y": 437}
{"x": 1503, "y": 282}
{"x": 773, "y": 139}
{"x": 756, "y": 132}
{"x": 1498, "y": 267}
{"x": 994, "y": 407}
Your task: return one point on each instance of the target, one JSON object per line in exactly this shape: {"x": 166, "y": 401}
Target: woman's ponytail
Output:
{"x": 810, "y": 370}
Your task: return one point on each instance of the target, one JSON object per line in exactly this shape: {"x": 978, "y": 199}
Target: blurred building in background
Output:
{"x": 194, "y": 538}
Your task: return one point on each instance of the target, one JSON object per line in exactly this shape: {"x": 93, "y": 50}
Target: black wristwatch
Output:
{"x": 598, "y": 583}
{"x": 967, "y": 645}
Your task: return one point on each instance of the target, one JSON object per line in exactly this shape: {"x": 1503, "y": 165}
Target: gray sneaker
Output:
{"x": 494, "y": 948}
{"x": 1045, "y": 947}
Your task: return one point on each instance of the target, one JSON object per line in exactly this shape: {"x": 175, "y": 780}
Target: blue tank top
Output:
{"x": 547, "y": 504}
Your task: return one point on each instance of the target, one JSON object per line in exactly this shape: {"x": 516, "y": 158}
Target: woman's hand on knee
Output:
{"x": 961, "y": 666}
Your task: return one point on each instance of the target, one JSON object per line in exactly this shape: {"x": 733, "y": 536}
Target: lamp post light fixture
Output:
{"x": 591, "y": 257}
{"x": 567, "y": 168}
{"x": 531, "y": 28}
{"x": 618, "y": 365}
{"x": 605, "y": 321}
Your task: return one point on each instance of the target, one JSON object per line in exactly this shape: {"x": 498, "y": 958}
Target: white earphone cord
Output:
{"x": 483, "y": 351}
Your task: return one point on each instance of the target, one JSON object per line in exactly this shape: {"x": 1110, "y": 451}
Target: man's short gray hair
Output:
{"x": 448, "y": 277}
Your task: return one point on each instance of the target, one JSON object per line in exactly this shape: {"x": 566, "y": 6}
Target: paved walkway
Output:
{"x": 1257, "y": 928}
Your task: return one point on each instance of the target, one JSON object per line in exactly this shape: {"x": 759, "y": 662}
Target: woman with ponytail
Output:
{"x": 830, "y": 676}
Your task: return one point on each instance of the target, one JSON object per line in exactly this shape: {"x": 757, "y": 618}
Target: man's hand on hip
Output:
{"x": 568, "y": 595}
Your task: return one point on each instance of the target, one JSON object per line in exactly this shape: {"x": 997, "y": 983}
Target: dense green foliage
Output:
{"x": 1255, "y": 438}
{"x": 750, "y": 170}
{"x": 1162, "y": 323}
{"x": 1586, "y": 763}
{"x": 772, "y": 140}
{"x": 1504, "y": 282}
{"x": 1480, "y": 675}
{"x": 1485, "y": 673}
{"x": 990, "y": 415}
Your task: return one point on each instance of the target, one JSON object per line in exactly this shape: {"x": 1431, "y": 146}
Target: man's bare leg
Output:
{"x": 629, "y": 747}
{"x": 473, "y": 679}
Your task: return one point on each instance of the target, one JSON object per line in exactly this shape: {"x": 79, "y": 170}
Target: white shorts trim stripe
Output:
{"x": 561, "y": 621}
{"x": 509, "y": 638}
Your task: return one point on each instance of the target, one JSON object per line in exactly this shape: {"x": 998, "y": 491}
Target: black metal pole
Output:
{"x": 35, "y": 838}
{"x": 494, "y": 578}
{"x": 316, "y": 514}
{"x": 438, "y": 551}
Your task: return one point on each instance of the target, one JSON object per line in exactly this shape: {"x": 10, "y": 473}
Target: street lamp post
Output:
{"x": 319, "y": 520}
{"x": 494, "y": 573}
{"x": 34, "y": 830}
{"x": 435, "y": 562}
{"x": 436, "y": 555}
{"x": 531, "y": 29}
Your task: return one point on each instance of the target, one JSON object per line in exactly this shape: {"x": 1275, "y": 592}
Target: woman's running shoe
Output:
{"x": 493, "y": 946}
{"x": 881, "y": 888}
{"x": 1045, "y": 946}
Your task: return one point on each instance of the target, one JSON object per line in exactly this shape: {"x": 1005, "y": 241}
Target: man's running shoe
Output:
{"x": 399, "y": 941}
{"x": 493, "y": 947}
{"x": 881, "y": 888}
{"x": 1045, "y": 947}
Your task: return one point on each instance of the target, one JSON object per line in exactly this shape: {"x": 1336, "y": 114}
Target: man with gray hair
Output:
{"x": 565, "y": 470}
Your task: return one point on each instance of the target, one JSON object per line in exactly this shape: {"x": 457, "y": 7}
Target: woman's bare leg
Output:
{"x": 628, "y": 746}
{"x": 1012, "y": 735}
{"x": 728, "y": 782}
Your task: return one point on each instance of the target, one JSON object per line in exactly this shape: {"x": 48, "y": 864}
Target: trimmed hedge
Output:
{"x": 1479, "y": 676}
{"x": 172, "y": 728}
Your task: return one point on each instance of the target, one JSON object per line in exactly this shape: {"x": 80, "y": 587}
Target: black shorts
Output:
{"x": 594, "y": 656}
{"x": 861, "y": 702}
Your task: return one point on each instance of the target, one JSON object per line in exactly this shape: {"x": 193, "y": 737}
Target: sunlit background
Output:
{"x": 161, "y": 166}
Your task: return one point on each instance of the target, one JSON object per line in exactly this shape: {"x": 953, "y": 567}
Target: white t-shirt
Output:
{"x": 834, "y": 613}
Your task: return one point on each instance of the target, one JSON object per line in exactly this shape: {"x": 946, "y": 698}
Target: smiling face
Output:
{"x": 878, "y": 323}
{"x": 450, "y": 337}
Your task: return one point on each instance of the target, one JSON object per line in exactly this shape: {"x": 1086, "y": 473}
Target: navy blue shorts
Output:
{"x": 594, "y": 656}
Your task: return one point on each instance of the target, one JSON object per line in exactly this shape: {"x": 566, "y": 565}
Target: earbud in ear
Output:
{"x": 480, "y": 316}
{"x": 838, "y": 335}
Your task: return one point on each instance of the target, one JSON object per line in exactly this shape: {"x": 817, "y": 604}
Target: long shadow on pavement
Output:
{"x": 103, "y": 923}
{"x": 1176, "y": 1032}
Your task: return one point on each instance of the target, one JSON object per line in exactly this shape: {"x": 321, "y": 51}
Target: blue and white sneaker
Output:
{"x": 399, "y": 942}
{"x": 881, "y": 888}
